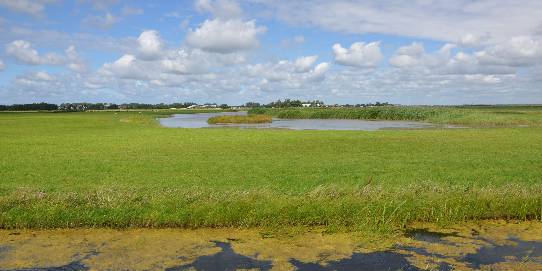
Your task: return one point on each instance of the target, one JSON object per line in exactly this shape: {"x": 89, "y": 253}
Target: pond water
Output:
{"x": 199, "y": 120}
{"x": 490, "y": 245}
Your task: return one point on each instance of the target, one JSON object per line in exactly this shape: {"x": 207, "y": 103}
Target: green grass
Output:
{"x": 121, "y": 169}
{"x": 240, "y": 119}
{"x": 482, "y": 116}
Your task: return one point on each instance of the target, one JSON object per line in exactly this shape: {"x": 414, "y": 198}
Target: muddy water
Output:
{"x": 485, "y": 246}
{"x": 200, "y": 121}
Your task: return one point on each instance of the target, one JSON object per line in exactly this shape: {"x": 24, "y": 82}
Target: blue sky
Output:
{"x": 228, "y": 51}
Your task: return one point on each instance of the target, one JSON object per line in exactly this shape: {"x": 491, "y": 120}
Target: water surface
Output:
{"x": 199, "y": 120}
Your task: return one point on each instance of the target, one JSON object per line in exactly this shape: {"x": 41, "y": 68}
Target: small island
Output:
{"x": 248, "y": 119}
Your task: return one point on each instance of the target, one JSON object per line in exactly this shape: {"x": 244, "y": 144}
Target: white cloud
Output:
{"x": 23, "y": 51}
{"x": 304, "y": 64}
{"x": 35, "y": 79}
{"x": 485, "y": 79}
{"x": 518, "y": 51}
{"x": 225, "y": 36}
{"x": 474, "y": 40}
{"x": 104, "y": 22}
{"x": 219, "y": 8}
{"x": 150, "y": 44}
{"x": 360, "y": 54}
{"x": 446, "y": 21}
{"x": 31, "y": 7}
{"x": 408, "y": 56}
{"x": 128, "y": 67}
{"x": 319, "y": 72}
{"x": 185, "y": 61}
{"x": 2, "y": 65}
{"x": 74, "y": 61}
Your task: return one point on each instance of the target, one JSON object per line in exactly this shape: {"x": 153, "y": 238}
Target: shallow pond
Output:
{"x": 490, "y": 245}
{"x": 199, "y": 120}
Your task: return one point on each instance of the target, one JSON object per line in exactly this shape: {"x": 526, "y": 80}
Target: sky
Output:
{"x": 235, "y": 51}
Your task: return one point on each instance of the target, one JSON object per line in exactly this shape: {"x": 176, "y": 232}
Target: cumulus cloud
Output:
{"x": 304, "y": 64}
{"x": 150, "y": 44}
{"x": 225, "y": 36}
{"x": 360, "y": 54}
{"x": 219, "y": 8}
{"x": 293, "y": 74}
{"x": 184, "y": 61}
{"x": 127, "y": 66}
{"x": 319, "y": 72}
{"x": 518, "y": 51}
{"x": 408, "y": 56}
{"x": 24, "y": 52}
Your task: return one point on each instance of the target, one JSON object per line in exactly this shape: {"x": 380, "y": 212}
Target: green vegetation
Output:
{"x": 240, "y": 119}
{"x": 481, "y": 116}
{"x": 121, "y": 169}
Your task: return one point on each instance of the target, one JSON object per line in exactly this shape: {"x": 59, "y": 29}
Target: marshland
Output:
{"x": 122, "y": 169}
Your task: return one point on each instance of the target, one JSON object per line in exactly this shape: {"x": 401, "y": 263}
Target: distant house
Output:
{"x": 306, "y": 105}
{"x": 199, "y": 106}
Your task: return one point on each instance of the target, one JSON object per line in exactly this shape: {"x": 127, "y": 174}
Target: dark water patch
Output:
{"x": 73, "y": 266}
{"x": 442, "y": 266}
{"x": 425, "y": 235}
{"x": 520, "y": 251}
{"x": 226, "y": 259}
{"x": 382, "y": 260}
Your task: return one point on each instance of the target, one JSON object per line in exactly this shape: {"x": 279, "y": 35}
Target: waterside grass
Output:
{"x": 240, "y": 119}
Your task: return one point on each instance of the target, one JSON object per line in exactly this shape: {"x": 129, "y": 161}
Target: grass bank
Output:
{"x": 120, "y": 169}
{"x": 240, "y": 119}
{"x": 482, "y": 116}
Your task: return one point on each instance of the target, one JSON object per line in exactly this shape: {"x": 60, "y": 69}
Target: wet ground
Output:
{"x": 200, "y": 121}
{"x": 486, "y": 246}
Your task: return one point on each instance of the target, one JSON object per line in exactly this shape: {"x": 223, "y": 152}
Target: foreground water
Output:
{"x": 486, "y": 246}
{"x": 200, "y": 121}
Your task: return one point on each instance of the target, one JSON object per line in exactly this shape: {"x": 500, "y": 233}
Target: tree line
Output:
{"x": 111, "y": 106}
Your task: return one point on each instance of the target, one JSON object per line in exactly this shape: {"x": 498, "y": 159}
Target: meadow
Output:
{"x": 121, "y": 169}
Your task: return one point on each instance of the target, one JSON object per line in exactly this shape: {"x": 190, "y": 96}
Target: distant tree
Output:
{"x": 252, "y": 104}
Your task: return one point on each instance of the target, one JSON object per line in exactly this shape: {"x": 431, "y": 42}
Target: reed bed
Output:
{"x": 498, "y": 116}
{"x": 240, "y": 119}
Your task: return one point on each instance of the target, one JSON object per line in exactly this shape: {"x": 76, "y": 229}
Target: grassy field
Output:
{"x": 240, "y": 119}
{"x": 121, "y": 169}
{"x": 476, "y": 116}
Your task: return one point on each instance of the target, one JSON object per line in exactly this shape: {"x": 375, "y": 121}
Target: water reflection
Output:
{"x": 491, "y": 246}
